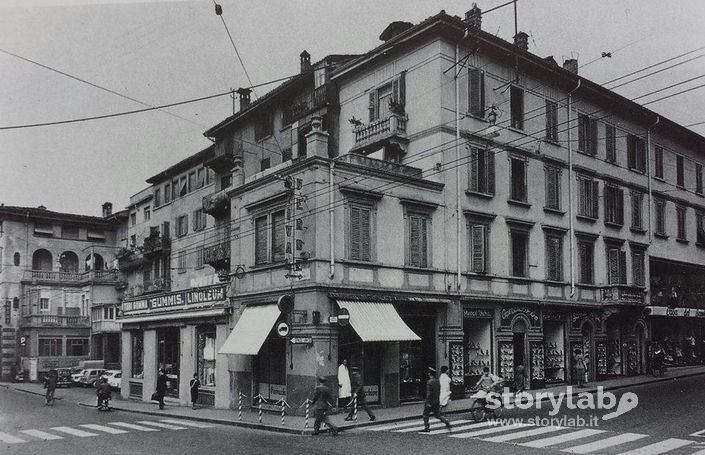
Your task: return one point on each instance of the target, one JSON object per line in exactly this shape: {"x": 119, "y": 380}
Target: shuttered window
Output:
{"x": 636, "y": 153}
{"x": 587, "y": 134}
{"x": 261, "y": 232}
{"x": 517, "y": 190}
{"x": 589, "y": 198}
{"x": 614, "y": 204}
{"x": 478, "y": 248}
{"x": 360, "y": 235}
{"x": 700, "y": 222}
{"x": 699, "y": 178}
{"x": 418, "y": 240}
{"x": 616, "y": 266}
{"x": 638, "y": 275}
{"x": 637, "y": 217}
{"x": 481, "y": 170}
{"x": 586, "y": 258}
{"x": 680, "y": 171}
{"x": 553, "y": 187}
{"x": 182, "y": 225}
{"x": 551, "y": 121}
{"x": 660, "y": 206}
{"x": 554, "y": 257}
{"x": 681, "y": 222}
{"x": 476, "y": 92}
{"x": 516, "y": 98}
{"x": 658, "y": 162}
{"x": 520, "y": 248}
{"x": 610, "y": 143}
{"x": 380, "y": 98}
{"x": 278, "y": 236}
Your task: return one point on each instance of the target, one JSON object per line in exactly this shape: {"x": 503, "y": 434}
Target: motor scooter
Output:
{"x": 104, "y": 403}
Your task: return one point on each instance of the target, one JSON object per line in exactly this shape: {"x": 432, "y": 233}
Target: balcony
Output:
{"x": 158, "y": 285}
{"x": 386, "y": 131}
{"x": 52, "y": 320}
{"x": 623, "y": 294}
{"x": 102, "y": 276}
{"x": 217, "y": 204}
{"x": 156, "y": 245}
{"x": 105, "y": 326}
{"x": 130, "y": 259}
{"x": 381, "y": 165}
{"x": 70, "y": 278}
{"x": 307, "y": 103}
{"x": 217, "y": 256}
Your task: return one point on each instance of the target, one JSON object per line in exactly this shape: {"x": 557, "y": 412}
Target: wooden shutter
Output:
{"x": 636, "y": 210}
{"x": 550, "y": 124}
{"x": 637, "y": 269}
{"x": 401, "y": 92}
{"x": 613, "y": 266}
{"x": 620, "y": 206}
{"x": 489, "y": 160}
{"x": 608, "y": 196}
{"x": 631, "y": 151}
{"x": 595, "y": 199}
{"x": 552, "y": 188}
{"x": 414, "y": 241}
{"x": 261, "y": 240}
{"x": 372, "y": 108}
{"x": 365, "y": 244}
{"x": 474, "y": 169}
{"x": 424, "y": 241}
{"x": 279, "y": 237}
{"x": 355, "y": 233}
{"x": 479, "y": 242}
{"x": 582, "y": 133}
{"x": 551, "y": 258}
{"x": 622, "y": 267}
{"x": 593, "y": 136}
{"x": 476, "y": 92}
{"x": 610, "y": 143}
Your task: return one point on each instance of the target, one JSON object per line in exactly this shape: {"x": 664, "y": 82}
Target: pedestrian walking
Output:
{"x": 161, "y": 387}
{"x": 320, "y": 402}
{"x": 580, "y": 367}
{"x": 194, "y": 384}
{"x": 359, "y": 393}
{"x": 50, "y": 382}
{"x": 657, "y": 358}
{"x": 445, "y": 381}
{"x": 344, "y": 387}
{"x": 432, "y": 405}
{"x": 520, "y": 378}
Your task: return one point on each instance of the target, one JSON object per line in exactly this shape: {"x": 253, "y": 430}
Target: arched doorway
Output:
{"x": 587, "y": 344}
{"x": 42, "y": 260}
{"x": 98, "y": 263}
{"x": 68, "y": 262}
{"x": 520, "y": 330}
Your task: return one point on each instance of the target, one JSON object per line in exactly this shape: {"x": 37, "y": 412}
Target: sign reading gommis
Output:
{"x": 207, "y": 296}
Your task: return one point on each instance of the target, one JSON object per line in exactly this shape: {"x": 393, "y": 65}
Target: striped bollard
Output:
{"x": 308, "y": 403}
{"x": 283, "y": 411}
{"x": 239, "y": 406}
{"x": 259, "y": 407}
{"x": 355, "y": 408}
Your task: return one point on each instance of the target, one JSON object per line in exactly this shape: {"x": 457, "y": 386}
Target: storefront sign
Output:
{"x": 677, "y": 312}
{"x": 208, "y": 296}
{"x": 277, "y": 392}
{"x": 471, "y": 313}
{"x": 301, "y": 340}
{"x": 58, "y": 362}
{"x": 509, "y": 313}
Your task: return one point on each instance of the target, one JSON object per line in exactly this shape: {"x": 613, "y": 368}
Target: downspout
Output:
{"x": 648, "y": 173}
{"x": 457, "y": 168}
{"x": 571, "y": 226}
{"x": 331, "y": 220}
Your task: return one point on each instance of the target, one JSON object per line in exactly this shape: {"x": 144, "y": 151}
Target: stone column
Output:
{"x": 126, "y": 364}
{"x": 187, "y": 362}
{"x": 389, "y": 387}
{"x": 149, "y": 381}
{"x": 222, "y": 377}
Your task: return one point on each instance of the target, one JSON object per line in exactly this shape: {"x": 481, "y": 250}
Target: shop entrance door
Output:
{"x": 364, "y": 358}
{"x": 416, "y": 356}
{"x": 520, "y": 354}
{"x": 587, "y": 350}
{"x": 169, "y": 340}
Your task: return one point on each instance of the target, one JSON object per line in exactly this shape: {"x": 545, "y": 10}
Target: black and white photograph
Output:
{"x": 352, "y": 227}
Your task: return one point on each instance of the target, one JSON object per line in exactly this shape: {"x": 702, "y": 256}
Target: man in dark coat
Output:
{"x": 358, "y": 390}
{"x": 194, "y": 384}
{"x": 161, "y": 388}
{"x": 320, "y": 402}
{"x": 432, "y": 405}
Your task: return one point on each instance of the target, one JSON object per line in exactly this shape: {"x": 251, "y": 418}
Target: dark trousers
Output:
{"x": 343, "y": 402}
{"x": 160, "y": 398}
{"x": 360, "y": 405}
{"x": 435, "y": 411}
{"x": 322, "y": 416}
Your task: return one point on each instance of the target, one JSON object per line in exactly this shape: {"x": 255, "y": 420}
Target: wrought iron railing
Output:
{"x": 381, "y": 165}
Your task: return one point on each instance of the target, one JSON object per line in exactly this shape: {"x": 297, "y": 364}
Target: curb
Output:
{"x": 31, "y": 392}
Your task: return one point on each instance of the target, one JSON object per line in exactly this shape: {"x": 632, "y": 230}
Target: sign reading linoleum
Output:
{"x": 207, "y": 296}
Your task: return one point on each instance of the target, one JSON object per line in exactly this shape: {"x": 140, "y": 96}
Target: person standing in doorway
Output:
{"x": 432, "y": 405}
{"x": 580, "y": 367}
{"x": 320, "y": 402}
{"x": 444, "y": 379}
{"x": 194, "y": 384}
{"x": 161, "y": 387}
{"x": 359, "y": 391}
{"x": 344, "y": 387}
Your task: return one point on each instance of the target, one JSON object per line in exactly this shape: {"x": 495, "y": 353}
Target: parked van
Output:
{"x": 90, "y": 376}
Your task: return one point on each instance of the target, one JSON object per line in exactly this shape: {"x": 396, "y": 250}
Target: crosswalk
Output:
{"x": 570, "y": 440}
{"x": 88, "y": 430}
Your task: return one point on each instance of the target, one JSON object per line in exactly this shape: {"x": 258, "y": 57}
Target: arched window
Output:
{"x": 42, "y": 260}
{"x": 98, "y": 263}
{"x": 68, "y": 262}
{"x": 17, "y": 259}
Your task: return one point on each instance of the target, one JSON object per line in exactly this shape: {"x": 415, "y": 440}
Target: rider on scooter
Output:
{"x": 104, "y": 392}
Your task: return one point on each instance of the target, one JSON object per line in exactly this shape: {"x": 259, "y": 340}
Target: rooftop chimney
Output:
{"x": 42, "y": 207}
{"x": 107, "y": 209}
{"x": 474, "y": 18}
{"x": 394, "y": 29}
{"x": 571, "y": 64}
{"x": 305, "y": 61}
{"x": 521, "y": 40}
{"x": 244, "y": 97}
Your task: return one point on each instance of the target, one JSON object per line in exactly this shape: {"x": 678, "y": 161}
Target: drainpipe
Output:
{"x": 570, "y": 189}
{"x": 331, "y": 220}
{"x": 457, "y": 168}
{"x": 648, "y": 173}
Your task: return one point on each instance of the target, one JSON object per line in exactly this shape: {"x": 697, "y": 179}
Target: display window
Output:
{"x": 554, "y": 348}
{"x": 477, "y": 348}
{"x": 416, "y": 356}
{"x": 362, "y": 357}
{"x": 169, "y": 341}
{"x": 206, "y": 355}
{"x": 270, "y": 369}
{"x": 137, "y": 355}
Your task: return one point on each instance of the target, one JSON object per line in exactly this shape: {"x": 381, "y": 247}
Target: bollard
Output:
{"x": 283, "y": 411}
{"x": 308, "y": 402}
{"x": 259, "y": 406}
{"x": 239, "y": 406}
{"x": 355, "y": 408}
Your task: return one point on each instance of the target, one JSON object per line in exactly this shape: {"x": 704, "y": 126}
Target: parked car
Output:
{"x": 113, "y": 377}
{"x": 76, "y": 374}
{"x": 20, "y": 376}
{"x": 90, "y": 376}
{"x": 63, "y": 377}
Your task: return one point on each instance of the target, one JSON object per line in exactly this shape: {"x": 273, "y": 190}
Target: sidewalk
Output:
{"x": 295, "y": 424}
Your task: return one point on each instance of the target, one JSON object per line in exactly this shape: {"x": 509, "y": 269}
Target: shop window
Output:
{"x": 614, "y": 204}
{"x": 551, "y": 121}
{"x": 482, "y": 171}
{"x": 137, "y": 355}
{"x": 587, "y": 134}
{"x": 636, "y": 155}
{"x": 637, "y": 211}
{"x": 554, "y": 257}
{"x": 517, "y": 189}
{"x": 168, "y": 343}
{"x": 553, "y": 187}
{"x": 610, "y": 143}
{"x": 77, "y": 346}
{"x": 554, "y": 347}
{"x": 478, "y": 346}
{"x": 660, "y": 215}
{"x": 588, "y": 197}
{"x": 50, "y": 347}
{"x": 206, "y": 356}
{"x": 658, "y": 162}
{"x": 616, "y": 266}
{"x": 476, "y": 92}
{"x": 271, "y": 368}
{"x": 516, "y": 98}
{"x": 418, "y": 228}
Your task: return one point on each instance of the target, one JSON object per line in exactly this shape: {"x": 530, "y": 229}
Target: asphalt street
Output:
{"x": 665, "y": 420}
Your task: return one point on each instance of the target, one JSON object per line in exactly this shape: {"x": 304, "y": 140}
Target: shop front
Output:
{"x": 680, "y": 331}
{"x": 179, "y": 333}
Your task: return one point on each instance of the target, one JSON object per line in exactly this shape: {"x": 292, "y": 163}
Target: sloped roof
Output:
{"x": 36, "y": 213}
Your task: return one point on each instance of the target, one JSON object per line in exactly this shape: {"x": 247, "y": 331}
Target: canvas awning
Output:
{"x": 251, "y": 330}
{"x": 377, "y": 321}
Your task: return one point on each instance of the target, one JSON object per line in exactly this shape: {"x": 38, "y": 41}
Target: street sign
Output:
{"x": 286, "y": 303}
{"x": 301, "y": 340}
{"x": 333, "y": 319}
{"x": 23, "y": 341}
{"x": 283, "y": 329}
{"x": 343, "y": 317}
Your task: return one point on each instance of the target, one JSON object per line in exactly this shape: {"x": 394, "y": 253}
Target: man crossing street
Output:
{"x": 432, "y": 405}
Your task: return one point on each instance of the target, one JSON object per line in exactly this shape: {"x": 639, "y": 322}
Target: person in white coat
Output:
{"x": 444, "y": 379}
{"x": 344, "y": 386}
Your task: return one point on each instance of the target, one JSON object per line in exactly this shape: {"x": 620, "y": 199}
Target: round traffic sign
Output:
{"x": 343, "y": 317}
{"x": 283, "y": 329}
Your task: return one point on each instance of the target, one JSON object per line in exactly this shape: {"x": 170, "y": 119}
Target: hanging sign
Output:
{"x": 283, "y": 329}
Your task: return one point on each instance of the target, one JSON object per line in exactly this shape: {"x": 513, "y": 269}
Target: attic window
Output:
{"x": 319, "y": 77}
{"x": 43, "y": 229}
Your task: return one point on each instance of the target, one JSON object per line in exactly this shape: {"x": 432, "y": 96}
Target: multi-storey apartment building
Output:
{"x": 57, "y": 269}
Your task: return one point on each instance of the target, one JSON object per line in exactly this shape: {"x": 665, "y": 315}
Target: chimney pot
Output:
{"x": 571, "y": 64}
{"x": 107, "y": 209}
{"x": 521, "y": 40}
{"x": 473, "y": 18}
{"x": 305, "y": 61}
{"x": 244, "y": 97}
{"x": 393, "y": 29}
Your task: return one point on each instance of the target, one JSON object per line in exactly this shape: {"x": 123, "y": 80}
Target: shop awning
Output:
{"x": 251, "y": 330}
{"x": 377, "y": 321}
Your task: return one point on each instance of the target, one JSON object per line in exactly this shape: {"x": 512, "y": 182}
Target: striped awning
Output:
{"x": 377, "y": 321}
{"x": 251, "y": 330}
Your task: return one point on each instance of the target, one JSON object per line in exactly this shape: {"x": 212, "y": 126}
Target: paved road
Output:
{"x": 663, "y": 422}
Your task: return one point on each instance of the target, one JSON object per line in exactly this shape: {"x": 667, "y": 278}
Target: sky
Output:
{"x": 164, "y": 51}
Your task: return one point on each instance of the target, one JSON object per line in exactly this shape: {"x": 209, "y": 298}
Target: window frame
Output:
{"x": 621, "y": 266}
{"x": 588, "y": 197}
{"x": 610, "y": 143}
{"x": 147, "y": 212}
{"x": 513, "y": 249}
{"x": 680, "y": 171}
{"x": 585, "y": 246}
{"x": 514, "y": 185}
{"x": 551, "y": 133}
{"x": 181, "y": 225}
{"x": 557, "y": 273}
{"x": 485, "y": 227}
{"x": 268, "y": 236}
{"x": 681, "y": 223}
{"x": 658, "y": 162}
{"x": 351, "y": 205}
{"x": 397, "y": 89}
{"x": 553, "y": 202}
{"x": 517, "y": 109}
{"x": 660, "y": 217}
{"x": 264, "y": 126}
{"x": 638, "y": 257}
{"x": 587, "y": 134}
{"x": 476, "y": 92}
{"x": 637, "y": 215}
{"x": 636, "y": 153}
{"x": 487, "y": 171}
{"x": 613, "y": 197}
{"x": 55, "y": 346}
{"x": 424, "y": 247}
{"x": 698, "y": 178}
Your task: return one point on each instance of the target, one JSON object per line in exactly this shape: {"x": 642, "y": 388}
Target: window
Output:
{"x": 700, "y": 221}
{"x": 157, "y": 197}
{"x": 589, "y": 197}
{"x": 278, "y": 236}
{"x": 479, "y": 246}
{"x": 660, "y": 216}
{"x": 43, "y": 230}
{"x": 698, "y": 178}
{"x": 264, "y": 164}
{"x": 192, "y": 181}
{"x": 638, "y": 271}
{"x": 96, "y": 235}
{"x": 147, "y": 213}
{"x": 476, "y": 92}
{"x": 391, "y": 93}
{"x": 517, "y": 190}
{"x": 133, "y": 241}
{"x": 77, "y": 346}
{"x": 616, "y": 266}
{"x": 481, "y": 170}
{"x": 261, "y": 247}
{"x": 418, "y": 227}
{"x": 183, "y": 186}
{"x": 680, "y": 171}
{"x": 263, "y": 126}
{"x": 16, "y": 259}
{"x": 270, "y": 237}
{"x": 554, "y": 257}
{"x": 658, "y": 162}
{"x": 360, "y": 232}
{"x": 69, "y": 232}
{"x": 180, "y": 264}
{"x": 182, "y": 225}
{"x": 516, "y": 96}
{"x": 44, "y": 304}
{"x": 16, "y": 303}
{"x": 586, "y": 251}
{"x": 167, "y": 192}
{"x": 50, "y": 347}
{"x": 520, "y": 252}
{"x": 614, "y": 204}
{"x": 286, "y": 154}
{"x": 174, "y": 189}
{"x": 587, "y": 134}
{"x": 201, "y": 178}
{"x": 551, "y": 121}
{"x": 205, "y": 361}
{"x": 637, "y": 200}
{"x": 611, "y": 143}
{"x": 137, "y": 354}
{"x": 681, "y": 222}
{"x": 226, "y": 181}
{"x": 199, "y": 220}
{"x": 319, "y": 77}
{"x": 636, "y": 153}
{"x": 133, "y": 218}
{"x": 553, "y": 187}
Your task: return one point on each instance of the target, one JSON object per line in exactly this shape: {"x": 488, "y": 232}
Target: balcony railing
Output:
{"x": 217, "y": 204}
{"x": 102, "y": 275}
{"x": 52, "y": 320}
{"x": 306, "y": 104}
{"x": 217, "y": 256}
{"x": 158, "y": 285}
{"x": 71, "y": 277}
{"x": 620, "y": 293}
{"x": 374, "y": 132}
{"x": 130, "y": 261}
{"x": 381, "y": 165}
{"x": 156, "y": 245}
{"x": 105, "y": 326}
